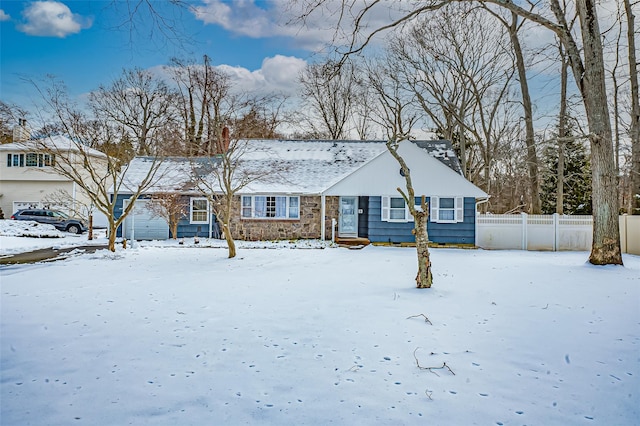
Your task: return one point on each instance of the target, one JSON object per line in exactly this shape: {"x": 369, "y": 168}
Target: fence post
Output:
{"x": 624, "y": 230}
{"x": 556, "y": 231}
{"x": 525, "y": 243}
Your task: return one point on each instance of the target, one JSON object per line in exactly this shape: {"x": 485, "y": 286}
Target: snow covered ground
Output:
{"x": 162, "y": 334}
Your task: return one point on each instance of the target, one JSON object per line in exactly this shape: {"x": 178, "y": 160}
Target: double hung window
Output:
{"x": 199, "y": 210}
{"x": 446, "y": 209}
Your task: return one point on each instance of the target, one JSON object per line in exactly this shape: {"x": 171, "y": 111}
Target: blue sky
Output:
{"x": 88, "y": 43}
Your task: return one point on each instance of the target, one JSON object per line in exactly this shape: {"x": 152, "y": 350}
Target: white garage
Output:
{"x": 142, "y": 224}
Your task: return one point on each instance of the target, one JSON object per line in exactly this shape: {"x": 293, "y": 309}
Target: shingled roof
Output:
{"x": 300, "y": 166}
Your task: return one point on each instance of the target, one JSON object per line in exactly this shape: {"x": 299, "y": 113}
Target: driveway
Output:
{"x": 47, "y": 254}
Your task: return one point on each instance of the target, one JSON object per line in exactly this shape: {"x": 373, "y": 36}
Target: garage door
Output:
{"x": 142, "y": 224}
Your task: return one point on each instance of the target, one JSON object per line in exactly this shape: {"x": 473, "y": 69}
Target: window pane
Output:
{"x": 397, "y": 203}
{"x": 446, "y": 203}
{"x": 199, "y": 216}
{"x": 396, "y": 214}
{"x": 281, "y": 207}
{"x": 246, "y": 201}
{"x": 271, "y": 207}
{"x": 260, "y": 205}
{"x": 32, "y": 160}
{"x": 16, "y": 160}
{"x": 294, "y": 210}
{"x": 446, "y": 215}
{"x": 199, "y": 205}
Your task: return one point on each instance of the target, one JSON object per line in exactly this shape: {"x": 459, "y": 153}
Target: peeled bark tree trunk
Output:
{"x": 424, "y": 279}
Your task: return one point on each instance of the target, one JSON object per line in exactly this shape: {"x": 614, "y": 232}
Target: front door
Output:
{"x": 348, "y": 223}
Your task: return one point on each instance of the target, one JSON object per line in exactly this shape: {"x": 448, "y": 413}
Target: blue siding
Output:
{"x": 443, "y": 233}
{"x": 185, "y": 229}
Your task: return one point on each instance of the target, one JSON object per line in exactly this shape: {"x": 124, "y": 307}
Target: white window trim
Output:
{"x": 253, "y": 204}
{"x": 434, "y": 209}
{"x": 385, "y": 210}
{"x": 197, "y": 222}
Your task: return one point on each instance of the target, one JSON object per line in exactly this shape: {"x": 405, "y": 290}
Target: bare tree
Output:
{"x": 588, "y": 69}
{"x": 330, "y": 92}
{"x": 514, "y": 25}
{"x": 397, "y": 119}
{"x": 10, "y": 116}
{"x": 222, "y": 177}
{"x": 140, "y": 102}
{"x": 205, "y": 99}
{"x": 91, "y": 156}
{"x": 460, "y": 70}
{"x": 170, "y": 206}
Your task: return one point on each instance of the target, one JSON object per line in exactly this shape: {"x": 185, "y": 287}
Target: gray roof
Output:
{"x": 442, "y": 150}
{"x": 299, "y": 166}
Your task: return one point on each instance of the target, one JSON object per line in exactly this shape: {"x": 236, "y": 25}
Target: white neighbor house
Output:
{"x": 28, "y": 177}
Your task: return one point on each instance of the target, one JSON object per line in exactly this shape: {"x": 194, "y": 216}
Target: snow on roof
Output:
{"x": 442, "y": 150}
{"x": 304, "y": 167}
{"x": 55, "y": 143}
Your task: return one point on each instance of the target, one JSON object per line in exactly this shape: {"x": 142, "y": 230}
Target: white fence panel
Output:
{"x": 499, "y": 232}
{"x": 549, "y": 232}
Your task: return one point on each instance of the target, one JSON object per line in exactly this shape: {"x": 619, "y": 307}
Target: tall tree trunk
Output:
{"x": 111, "y": 245}
{"x": 635, "y": 111}
{"x": 424, "y": 279}
{"x": 226, "y": 229}
{"x": 605, "y": 248}
{"x": 532, "y": 156}
{"x": 562, "y": 132}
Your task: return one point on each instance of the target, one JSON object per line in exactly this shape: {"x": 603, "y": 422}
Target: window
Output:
{"x": 32, "y": 159}
{"x": 15, "y": 160}
{"x": 199, "y": 210}
{"x": 446, "y": 209}
{"x": 394, "y": 209}
{"x": 270, "y": 207}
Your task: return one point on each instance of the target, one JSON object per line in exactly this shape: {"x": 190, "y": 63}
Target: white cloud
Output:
{"x": 277, "y": 74}
{"x": 4, "y": 16}
{"x": 277, "y": 18}
{"x": 52, "y": 19}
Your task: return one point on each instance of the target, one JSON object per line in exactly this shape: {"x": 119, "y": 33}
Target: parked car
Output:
{"x": 60, "y": 220}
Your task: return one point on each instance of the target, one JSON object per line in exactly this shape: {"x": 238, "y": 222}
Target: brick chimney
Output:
{"x": 225, "y": 139}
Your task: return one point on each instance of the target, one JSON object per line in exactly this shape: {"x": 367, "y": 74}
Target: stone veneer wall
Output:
{"x": 307, "y": 227}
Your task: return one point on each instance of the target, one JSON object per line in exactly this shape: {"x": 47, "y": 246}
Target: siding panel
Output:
{"x": 441, "y": 233}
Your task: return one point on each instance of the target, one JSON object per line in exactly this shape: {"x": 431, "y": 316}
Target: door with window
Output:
{"x": 348, "y": 222}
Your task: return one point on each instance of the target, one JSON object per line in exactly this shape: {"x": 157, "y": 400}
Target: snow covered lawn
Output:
{"x": 168, "y": 335}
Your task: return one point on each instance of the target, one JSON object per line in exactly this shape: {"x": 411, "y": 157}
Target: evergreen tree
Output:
{"x": 577, "y": 178}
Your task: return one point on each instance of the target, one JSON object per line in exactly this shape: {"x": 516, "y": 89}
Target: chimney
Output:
{"x": 225, "y": 139}
{"x": 21, "y": 131}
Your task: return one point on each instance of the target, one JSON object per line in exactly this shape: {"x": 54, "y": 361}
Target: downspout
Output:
{"x": 73, "y": 198}
{"x": 322, "y": 217}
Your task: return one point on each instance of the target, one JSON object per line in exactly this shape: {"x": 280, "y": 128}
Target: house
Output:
{"x": 28, "y": 177}
{"x": 315, "y": 183}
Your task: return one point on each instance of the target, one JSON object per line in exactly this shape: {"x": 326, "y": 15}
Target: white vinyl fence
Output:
{"x": 549, "y": 232}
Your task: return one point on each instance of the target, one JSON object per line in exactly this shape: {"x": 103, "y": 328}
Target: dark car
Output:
{"x": 60, "y": 220}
